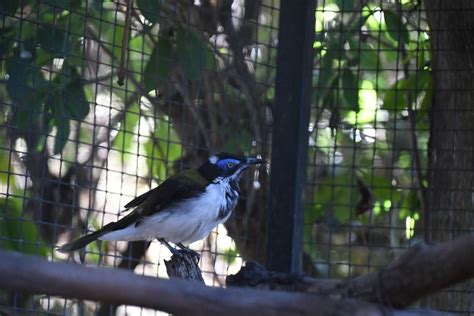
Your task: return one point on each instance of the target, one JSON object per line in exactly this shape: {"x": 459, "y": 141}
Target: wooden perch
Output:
{"x": 184, "y": 266}
{"x": 30, "y": 274}
{"x": 420, "y": 271}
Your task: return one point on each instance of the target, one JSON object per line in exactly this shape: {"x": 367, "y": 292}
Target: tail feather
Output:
{"x": 81, "y": 242}
{"x": 87, "y": 239}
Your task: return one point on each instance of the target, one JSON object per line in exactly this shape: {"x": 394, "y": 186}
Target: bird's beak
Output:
{"x": 254, "y": 161}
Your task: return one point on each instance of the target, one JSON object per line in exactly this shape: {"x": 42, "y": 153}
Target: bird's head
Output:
{"x": 227, "y": 166}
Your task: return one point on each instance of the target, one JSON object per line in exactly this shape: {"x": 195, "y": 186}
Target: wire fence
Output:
{"x": 76, "y": 146}
{"x": 196, "y": 78}
{"x": 368, "y": 135}
{"x": 372, "y": 172}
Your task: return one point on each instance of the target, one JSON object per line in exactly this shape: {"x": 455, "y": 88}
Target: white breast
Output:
{"x": 184, "y": 222}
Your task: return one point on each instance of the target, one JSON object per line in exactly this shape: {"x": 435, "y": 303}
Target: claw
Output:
{"x": 190, "y": 252}
{"x": 193, "y": 254}
{"x": 175, "y": 252}
{"x": 183, "y": 251}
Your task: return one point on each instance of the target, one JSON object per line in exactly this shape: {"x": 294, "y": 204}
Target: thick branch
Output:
{"x": 421, "y": 271}
{"x": 34, "y": 275}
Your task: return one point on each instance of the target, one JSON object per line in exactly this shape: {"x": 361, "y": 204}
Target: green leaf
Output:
{"x": 8, "y": 7}
{"x": 17, "y": 231}
{"x": 397, "y": 97}
{"x": 345, "y": 5}
{"x": 26, "y": 87}
{"x": 165, "y": 147}
{"x": 74, "y": 98}
{"x": 230, "y": 255}
{"x": 350, "y": 89}
{"x": 155, "y": 159}
{"x": 58, "y": 35}
{"x": 112, "y": 34}
{"x": 394, "y": 99}
{"x": 193, "y": 53}
{"x": 66, "y": 98}
{"x": 62, "y": 134}
{"x": 66, "y": 101}
{"x": 7, "y": 39}
{"x": 6, "y": 171}
{"x": 369, "y": 58}
{"x": 334, "y": 194}
{"x": 326, "y": 73}
{"x": 150, "y": 9}
{"x": 53, "y": 40}
{"x": 158, "y": 67}
{"x": 43, "y": 58}
{"x": 65, "y": 4}
{"x": 124, "y": 140}
{"x": 396, "y": 28}
{"x": 382, "y": 189}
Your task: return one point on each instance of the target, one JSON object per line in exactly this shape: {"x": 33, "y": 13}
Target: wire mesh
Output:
{"x": 362, "y": 180}
{"x": 367, "y": 192}
{"x": 76, "y": 145}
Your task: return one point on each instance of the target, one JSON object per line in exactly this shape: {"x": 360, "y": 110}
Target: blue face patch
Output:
{"x": 228, "y": 164}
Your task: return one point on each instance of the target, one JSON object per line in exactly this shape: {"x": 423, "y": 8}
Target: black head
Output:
{"x": 227, "y": 166}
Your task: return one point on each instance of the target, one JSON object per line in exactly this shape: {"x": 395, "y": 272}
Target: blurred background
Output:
{"x": 198, "y": 77}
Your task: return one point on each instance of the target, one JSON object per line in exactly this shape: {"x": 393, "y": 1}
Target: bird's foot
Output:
{"x": 182, "y": 252}
{"x": 191, "y": 253}
{"x": 186, "y": 254}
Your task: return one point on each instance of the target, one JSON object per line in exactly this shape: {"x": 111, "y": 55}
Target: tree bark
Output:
{"x": 420, "y": 271}
{"x": 451, "y": 137}
{"x": 185, "y": 267}
{"x": 34, "y": 275}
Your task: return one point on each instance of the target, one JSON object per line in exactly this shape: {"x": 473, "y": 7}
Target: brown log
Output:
{"x": 420, "y": 271}
{"x": 30, "y": 274}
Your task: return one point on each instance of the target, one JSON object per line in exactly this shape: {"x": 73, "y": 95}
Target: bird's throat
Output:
{"x": 235, "y": 185}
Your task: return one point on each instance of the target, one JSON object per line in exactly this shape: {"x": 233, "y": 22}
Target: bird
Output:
{"x": 183, "y": 209}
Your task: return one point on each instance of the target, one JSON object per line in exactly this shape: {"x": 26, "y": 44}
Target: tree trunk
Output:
{"x": 451, "y": 137}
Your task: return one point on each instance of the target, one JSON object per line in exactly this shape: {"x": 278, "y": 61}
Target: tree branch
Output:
{"x": 420, "y": 271}
{"x": 125, "y": 39}
{"x": 34, "y": 275}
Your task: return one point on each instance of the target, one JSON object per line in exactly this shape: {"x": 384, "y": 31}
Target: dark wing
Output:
{"x": 181, "y": 186}
{"x": 140, "y": 199}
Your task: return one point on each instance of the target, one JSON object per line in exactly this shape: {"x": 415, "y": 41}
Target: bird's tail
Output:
{"x": 87, "y": 239}
{"x": 81, "y": 242}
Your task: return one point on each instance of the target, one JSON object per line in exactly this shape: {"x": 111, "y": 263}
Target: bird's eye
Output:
{"x": 230, "y": 165}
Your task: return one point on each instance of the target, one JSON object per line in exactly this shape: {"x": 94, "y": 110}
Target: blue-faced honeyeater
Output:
{"x": 183, "y": 209}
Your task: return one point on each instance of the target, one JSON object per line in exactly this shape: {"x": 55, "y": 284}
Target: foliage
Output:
{"x": 362, "y": 131}
{"x": 59, "y": 60}
{"x": 17, "y": 231}
{"x": 194, "y": 79}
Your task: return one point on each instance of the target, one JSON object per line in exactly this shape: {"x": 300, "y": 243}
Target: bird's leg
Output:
{"x": 184, "y": 250}
{"x": 189, "y": 251}
{"x": 172, "y": 249}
